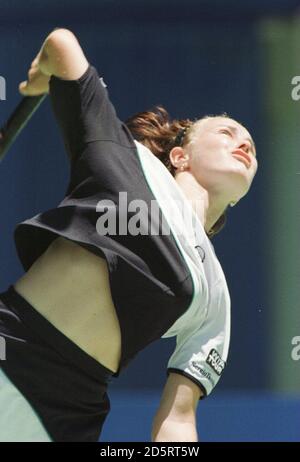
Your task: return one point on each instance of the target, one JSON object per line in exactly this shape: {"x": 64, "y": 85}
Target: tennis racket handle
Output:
{"x": 18, "y": 120}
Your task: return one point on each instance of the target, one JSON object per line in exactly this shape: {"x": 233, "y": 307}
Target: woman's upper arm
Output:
{"x": 63, "y": 55}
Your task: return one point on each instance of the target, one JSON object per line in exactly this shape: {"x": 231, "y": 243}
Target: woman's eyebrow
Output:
{"x": 235, "y": 130}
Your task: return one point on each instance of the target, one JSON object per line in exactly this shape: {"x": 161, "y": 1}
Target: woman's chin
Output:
{"x": 239, "y": 182}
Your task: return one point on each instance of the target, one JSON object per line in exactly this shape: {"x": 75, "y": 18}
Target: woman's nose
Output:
{"x": 245, "y": 145}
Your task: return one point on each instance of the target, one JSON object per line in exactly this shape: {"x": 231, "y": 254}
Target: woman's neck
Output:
{"x": 208, "y": 207}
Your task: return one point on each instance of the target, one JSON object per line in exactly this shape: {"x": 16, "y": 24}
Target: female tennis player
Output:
{"x": 123, "y": 260}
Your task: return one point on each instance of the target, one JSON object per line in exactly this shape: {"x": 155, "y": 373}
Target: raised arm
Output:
{"x": 175, "y": 419}
{"x": 79, "y": 98}
{"x": 60, "y": 55}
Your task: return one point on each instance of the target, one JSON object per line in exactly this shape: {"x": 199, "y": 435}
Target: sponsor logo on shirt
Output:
{"x": 203, "y": 372}
{"x": 215, "y": 361}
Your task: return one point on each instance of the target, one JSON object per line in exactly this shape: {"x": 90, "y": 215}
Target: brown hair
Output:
{"x": 160, "y": 134}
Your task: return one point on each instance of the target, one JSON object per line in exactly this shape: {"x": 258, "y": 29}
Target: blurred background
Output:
{"x": 194, "y": 57}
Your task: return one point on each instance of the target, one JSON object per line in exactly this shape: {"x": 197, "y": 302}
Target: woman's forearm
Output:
{"x": 45, "y": 59}
{"x": 175, "y": 418}
{"x": 174, "y": 430}
{"x": 41, "y": 69}
{"x": 60, "y": 55}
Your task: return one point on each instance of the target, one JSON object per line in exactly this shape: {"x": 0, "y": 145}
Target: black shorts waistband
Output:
{"x": 53, "y": 337}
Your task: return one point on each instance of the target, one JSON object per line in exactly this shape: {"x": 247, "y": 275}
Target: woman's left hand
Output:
{"x": 37, "y": 83}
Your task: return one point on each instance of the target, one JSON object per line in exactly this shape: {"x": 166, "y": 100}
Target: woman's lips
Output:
{"x": 242, "y": 157}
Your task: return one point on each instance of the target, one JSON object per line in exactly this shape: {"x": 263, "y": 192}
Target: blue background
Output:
{"x": 195, "y": 58}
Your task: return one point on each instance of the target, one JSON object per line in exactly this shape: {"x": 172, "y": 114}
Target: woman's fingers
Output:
{"x": 31, "y": 73}
{"x": 35, "y": 62}
{"x": 23, "y": 88}
{"x": 38, "y": 86}
{"x": 27, "y": 89}
{"x": 37, "y": 82}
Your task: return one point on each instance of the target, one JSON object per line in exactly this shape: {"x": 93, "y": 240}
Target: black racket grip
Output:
{"x": 18, "y": 120}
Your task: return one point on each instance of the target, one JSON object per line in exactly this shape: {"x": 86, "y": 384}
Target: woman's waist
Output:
{"x": 67, "y": 274}
{"x": 61, "y": 382}
{"x": 69, "y": 287}
{"x": 30, "y": 336}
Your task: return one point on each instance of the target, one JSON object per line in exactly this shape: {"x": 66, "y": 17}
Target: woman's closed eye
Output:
{"x": 226, "y": 131}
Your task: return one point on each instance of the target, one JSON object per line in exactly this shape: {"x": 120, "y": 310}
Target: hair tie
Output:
{"x": 180, "y": 136}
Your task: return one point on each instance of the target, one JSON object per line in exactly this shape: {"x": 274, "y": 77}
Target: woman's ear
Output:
{"x": 177, "y": 157}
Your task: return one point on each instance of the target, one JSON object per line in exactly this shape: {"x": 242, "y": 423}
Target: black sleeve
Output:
{"x": 84, "y": 113}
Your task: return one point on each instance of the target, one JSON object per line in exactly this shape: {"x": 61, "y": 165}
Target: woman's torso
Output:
{"x": 70, "y": 287}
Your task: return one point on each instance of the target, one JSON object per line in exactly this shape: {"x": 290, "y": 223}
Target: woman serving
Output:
{"x": 96, "y": 292}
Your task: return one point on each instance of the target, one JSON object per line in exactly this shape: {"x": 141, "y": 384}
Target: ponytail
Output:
{"x": 157, "y": 132}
